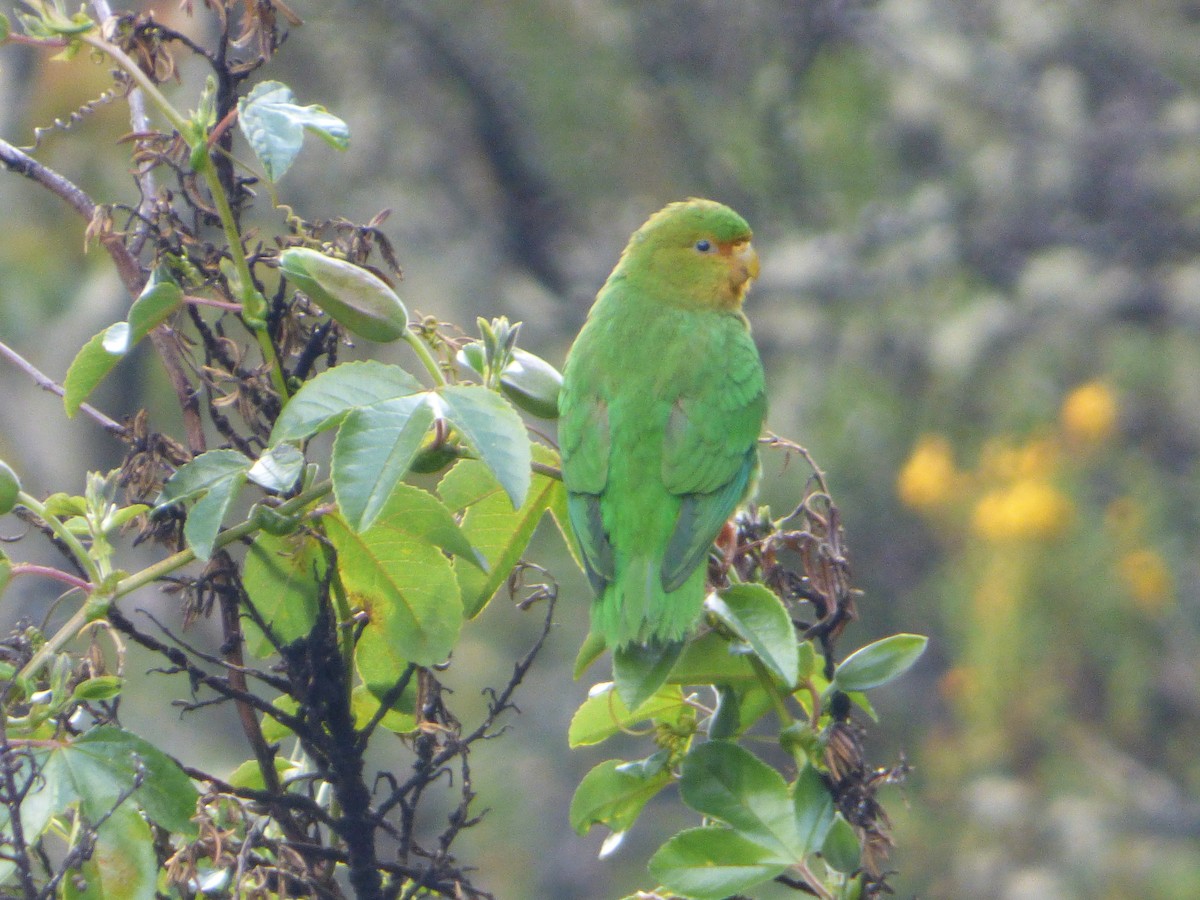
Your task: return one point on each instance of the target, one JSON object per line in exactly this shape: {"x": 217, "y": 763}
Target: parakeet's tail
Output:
{"x": 634, "y": 608}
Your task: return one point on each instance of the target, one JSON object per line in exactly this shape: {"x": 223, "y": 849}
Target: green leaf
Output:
{"x": 5, "y": 28}
{"x": 558, "y": 505}
{"x": 814, "y": 809}
{"x": 492, "y": 428}
{"x": 859, "y": 699}
{"x": 326, "y": 399}
{"x": 641, "y": 669}
{"x": 10, "y": 486}
{"x": 96, "y": 768}
{"x": 709, "y": 660}
{"x": 400, "y": 719}
{"x": 727, "y": 782}
{"x": 725, "y": 722}
{"x": 89, "y": 367}
{"x": 406, "y": 586}
{"x": 282, "y": 577}
{"x": 123, "y": 864}
{"x": 417, "y": 512}
{"x": 274, "y": 125}
{"x": 380, "y": 667}
{"x": 44, "y": 801}
{"x": 713, "y": 863}
{"x": 495, "y": 530}
{"x": 374, "y": 449}
{"x": 272, "y": 729}
{"x": 604, "y": 714}
{"x": 102, "y": 687}
{"x": 841, "y": 848}
{"x": 590, "y": 650}
{"x": 613, "y": 794}
{"x": 758, "y": 617}
{"x": 879, "y": 663}
{"x": 356, "y": 298}
{"x": 202, "y": 474}
{"x": 215, "y": 477}
{"x": 249, "y": 774}
{"x": 101, "y": 354}
{"x": 278, "y": 469}
{"x": 161, "y": 297}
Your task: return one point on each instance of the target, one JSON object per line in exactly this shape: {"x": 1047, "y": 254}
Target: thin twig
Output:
{"x": 131, "y": 275}
{"x": 46, "y": 383}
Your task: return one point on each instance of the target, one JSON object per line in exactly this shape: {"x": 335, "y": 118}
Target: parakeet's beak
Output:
{"x": 744, "y": 263}
{"x": 748, "y": 258}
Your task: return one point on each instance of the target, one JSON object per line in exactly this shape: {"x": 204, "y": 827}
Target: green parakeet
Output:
{"x": 661, "y": 408}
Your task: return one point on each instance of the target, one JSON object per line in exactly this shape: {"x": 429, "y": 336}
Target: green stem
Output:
{"x": 252, "y": 301}
{"x": 178, "y": 122}
{"x": 423, "y": 353}
{"x": 63, "y": 534}
{"x": 57, "y": 641}
{"x": 151, "y": 573}
{"x": 88, "y": 611}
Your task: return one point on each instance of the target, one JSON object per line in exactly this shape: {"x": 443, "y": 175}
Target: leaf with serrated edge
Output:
{"x": 324, "y": 401}
{"x": 492, "y": 526}
{"x": 274, "y": 125}
{"x": 759, "y": 618}
{"x": 406, "y": 586}
{"x": 713, "y": 863}
{"x": 282, "y": 577}
{"x": 99, "y": 766}
{"x": 374, "y": 449}
{"x": 727, "y": 782}
{"x": 122, "y": 865}
{"x": 278, "y": 468}
{"x": 202, "y": 474}
{"x": 492, "y": 428}
{"x": 417, "y": 512}
{"x": 205, "y": 517}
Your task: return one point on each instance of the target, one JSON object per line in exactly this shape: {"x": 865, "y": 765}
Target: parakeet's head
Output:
{"x": 695, "y": 252}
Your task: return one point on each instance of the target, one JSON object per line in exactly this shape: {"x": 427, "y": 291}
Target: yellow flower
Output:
{"x": 929, "y": 478}
{"x": 1145, "y": 575}
{"x": 1038, "y": 458}
{"x": 1089, "y": 413}
{"x": 1027, "y": 509}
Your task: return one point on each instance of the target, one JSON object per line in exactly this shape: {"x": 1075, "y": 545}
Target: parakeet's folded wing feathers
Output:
{"x": 711, "y": 458}
{"x": 585, "y": 437}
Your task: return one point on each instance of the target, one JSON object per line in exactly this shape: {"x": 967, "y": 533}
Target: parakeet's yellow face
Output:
{"x": 698, "y": 253}
{"x": 741, "y": 262}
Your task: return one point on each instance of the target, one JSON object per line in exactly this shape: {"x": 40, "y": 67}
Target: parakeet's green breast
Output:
{"x": 660, "y": 412}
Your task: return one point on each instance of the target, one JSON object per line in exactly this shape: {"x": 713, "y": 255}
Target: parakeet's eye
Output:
{"x": 704, "y": 245}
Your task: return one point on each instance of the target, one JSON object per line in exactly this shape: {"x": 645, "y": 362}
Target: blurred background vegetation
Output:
{"x": 979, "y": 310}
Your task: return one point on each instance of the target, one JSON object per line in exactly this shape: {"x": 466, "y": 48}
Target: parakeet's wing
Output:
{"x": 586, "y": 440}
{"x": 710, "y": 454}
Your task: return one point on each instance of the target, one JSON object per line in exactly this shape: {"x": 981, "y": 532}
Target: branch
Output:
{"x": 130, "y": 272}
{"x": 46, "y": 383}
